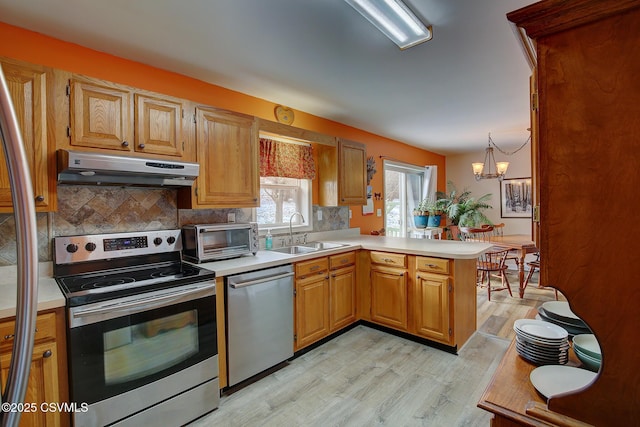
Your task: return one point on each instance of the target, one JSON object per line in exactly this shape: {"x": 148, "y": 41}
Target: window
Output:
{"x": 282, "y": 197}
{"x": 404, "y": 187}
{"x": 286, "y": 171}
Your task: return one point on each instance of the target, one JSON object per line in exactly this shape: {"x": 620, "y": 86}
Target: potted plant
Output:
{"x": 434, "y": 207}
{"x": 420, "y": 215}
{"x": 463, "y": 209}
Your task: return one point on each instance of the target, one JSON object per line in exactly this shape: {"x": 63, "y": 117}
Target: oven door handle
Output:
{"x": 145, "y": 303}
{"x": 236, "y": 285}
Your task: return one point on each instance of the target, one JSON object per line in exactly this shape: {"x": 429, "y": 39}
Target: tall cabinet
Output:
{"x": 588, "y": 134}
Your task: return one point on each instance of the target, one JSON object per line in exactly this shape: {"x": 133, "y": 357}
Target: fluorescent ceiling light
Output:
{"x": 395, "y": 20}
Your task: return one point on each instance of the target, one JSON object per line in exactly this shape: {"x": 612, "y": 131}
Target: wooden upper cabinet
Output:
{"x": 352, "y": 173}
{"x": 109, "y": 116}
{"x": 342, "y": 174}
{"x": 227, "y": 146}
{"x": 101, "y": 116}
{"x": 158, "y": 125}
{"x": 30, "y": 86}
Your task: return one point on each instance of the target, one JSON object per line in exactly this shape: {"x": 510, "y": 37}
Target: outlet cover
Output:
{"x": 319, "y": 215}
{"x": 379, "y": 212}
{"x": 231, "y": 217}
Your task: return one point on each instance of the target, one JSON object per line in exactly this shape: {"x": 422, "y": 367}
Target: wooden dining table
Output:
{"x": 521, "y": 243}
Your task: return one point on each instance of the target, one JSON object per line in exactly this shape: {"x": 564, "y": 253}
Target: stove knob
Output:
{"x": 157, "y": 241}
{"x": 171, "y": 240}
{"x": 90, "y": 246}
{"x": 72, "y": 248}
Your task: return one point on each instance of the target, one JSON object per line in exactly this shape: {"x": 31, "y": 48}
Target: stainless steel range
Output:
{"x": 142, "y": 329}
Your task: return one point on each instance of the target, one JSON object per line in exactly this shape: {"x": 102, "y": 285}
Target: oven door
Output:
{"x": 120, "y": 345}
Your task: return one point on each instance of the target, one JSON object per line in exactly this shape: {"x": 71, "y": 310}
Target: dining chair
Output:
{"x": 533, "y": 266}
{"x": 490, "y": 264}
{"x": 498, "y": 231}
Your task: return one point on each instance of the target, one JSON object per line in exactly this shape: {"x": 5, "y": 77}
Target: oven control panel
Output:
{"x": 71, "y": 249}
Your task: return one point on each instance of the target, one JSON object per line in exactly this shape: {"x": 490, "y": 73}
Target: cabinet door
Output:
{"x": 228, "y": 156}
{"x": 312, "y": 310}
{"x": 101, "y": 116}
{"x": 42, "y": 386}
{"x": 389, "y": 296}
{"x": 432, "y": 307}
{"x": 352, "y": 173}
{"x": 28, "y": 88}
{"x": 342, "y": 294}
{"x": 158, "y": 124}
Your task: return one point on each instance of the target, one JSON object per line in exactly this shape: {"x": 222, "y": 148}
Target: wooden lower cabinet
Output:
{"x": 312, "y": 309}
{"x": 432, "y": 307}
{"x": 342, "y": 290}
{"x": 325, "y": 297}
{"x": 389, "y": 296}
{"x": 47, "y": 377}
{"x": 429, "y": 297}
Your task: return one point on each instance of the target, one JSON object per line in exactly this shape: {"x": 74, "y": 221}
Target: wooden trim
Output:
{"x": 296, "y": 133}
{"x": 221, "y": 328}
{"x": 551, "y": 16}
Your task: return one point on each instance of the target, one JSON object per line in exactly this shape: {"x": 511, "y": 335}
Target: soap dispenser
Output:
{"x": 268, "y": 240}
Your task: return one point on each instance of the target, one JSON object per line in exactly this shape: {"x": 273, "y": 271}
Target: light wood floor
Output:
{"x": 366, "y": 378}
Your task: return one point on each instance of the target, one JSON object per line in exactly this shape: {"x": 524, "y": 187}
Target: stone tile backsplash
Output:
{"x": 107, "y": 209}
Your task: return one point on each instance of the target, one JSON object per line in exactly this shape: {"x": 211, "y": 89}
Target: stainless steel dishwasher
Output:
{"x": 259, "y": 321}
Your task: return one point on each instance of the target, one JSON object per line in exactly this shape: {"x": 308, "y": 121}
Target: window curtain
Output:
{"x": 286, "y": 160}
{"x": 430, "y": 182}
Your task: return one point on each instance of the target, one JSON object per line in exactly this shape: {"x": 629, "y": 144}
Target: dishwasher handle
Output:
{"x": 238, "y": 285}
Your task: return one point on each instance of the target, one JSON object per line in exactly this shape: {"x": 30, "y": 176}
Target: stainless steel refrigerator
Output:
{"x": 27, "y": 247}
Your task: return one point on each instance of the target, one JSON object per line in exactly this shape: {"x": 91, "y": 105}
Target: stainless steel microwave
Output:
{"x": 211, "y": 242}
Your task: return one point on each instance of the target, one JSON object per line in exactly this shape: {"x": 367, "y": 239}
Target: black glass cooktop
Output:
{"x": 108, "y": 284}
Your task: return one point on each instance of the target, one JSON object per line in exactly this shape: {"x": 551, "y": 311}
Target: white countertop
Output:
{"x": 49, "y": 294}
{"x": 438, "y": 248}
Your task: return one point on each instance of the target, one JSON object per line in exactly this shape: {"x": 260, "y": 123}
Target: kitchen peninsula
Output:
{"x": 418, "y": 288}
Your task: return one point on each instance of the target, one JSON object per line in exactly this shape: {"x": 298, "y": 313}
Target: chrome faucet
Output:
{"x": 290, "y": 226}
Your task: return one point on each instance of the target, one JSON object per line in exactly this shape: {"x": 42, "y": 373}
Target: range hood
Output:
{"x": 79, "y": 167}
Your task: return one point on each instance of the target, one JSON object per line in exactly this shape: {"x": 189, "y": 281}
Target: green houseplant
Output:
{"x": 433, "y": 209}
{"x": 420, "y": 215}
{"x": 462, "y": 208}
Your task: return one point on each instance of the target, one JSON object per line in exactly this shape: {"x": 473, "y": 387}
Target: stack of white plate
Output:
{"x": 559, "y": 313}
{"x": 541, "y": 342}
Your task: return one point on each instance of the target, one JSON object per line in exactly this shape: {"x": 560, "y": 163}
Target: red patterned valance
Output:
{"x": 286, "y": 160}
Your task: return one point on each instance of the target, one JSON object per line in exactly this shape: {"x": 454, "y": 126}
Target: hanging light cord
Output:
{"x": 506, "y": 153}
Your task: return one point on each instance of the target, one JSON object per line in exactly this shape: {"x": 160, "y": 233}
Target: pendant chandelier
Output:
{"x": 500, "y": 168}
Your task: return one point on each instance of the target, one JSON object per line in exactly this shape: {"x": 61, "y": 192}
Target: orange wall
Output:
{"x": 40, "y": 49}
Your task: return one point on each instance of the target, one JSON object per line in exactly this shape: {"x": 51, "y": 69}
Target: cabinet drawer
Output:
{"x": 313, "y": 266}
{"x": 432, "y": 265}
{"x": 45, "y": 329}
{"x": 342, "y": 260}
{"x": 386, "y": 258}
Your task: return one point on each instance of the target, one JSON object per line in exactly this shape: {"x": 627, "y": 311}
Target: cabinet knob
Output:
{"x": 47, "y": 353}
{"x": 140, "y": 145}
{"x": 40, "y": 198}
{"x": 125, "y": 144}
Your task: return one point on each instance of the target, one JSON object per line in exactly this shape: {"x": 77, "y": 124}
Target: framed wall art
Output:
{"x": 516, "y": 198}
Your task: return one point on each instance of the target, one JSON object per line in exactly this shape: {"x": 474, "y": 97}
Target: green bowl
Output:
{"x": 588, "y": 344}
{"x": 589, "y": 362}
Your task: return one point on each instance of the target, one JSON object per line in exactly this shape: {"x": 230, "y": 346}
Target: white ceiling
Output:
{"x": 322, "y": 57}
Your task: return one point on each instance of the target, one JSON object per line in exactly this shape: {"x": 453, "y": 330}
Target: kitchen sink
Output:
{"x": 308, "y": 248}
{"x": 295, "y": 250}
{"x": 323, "y": 245}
